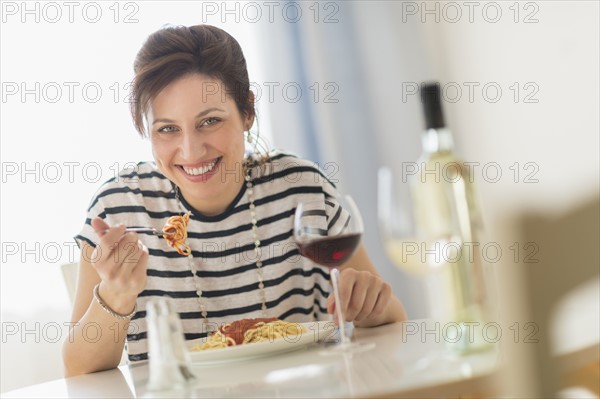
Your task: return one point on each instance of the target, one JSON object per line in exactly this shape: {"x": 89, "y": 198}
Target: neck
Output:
{"x": 216, "y": 204}
{"x": 213, "y": 206}
{"x": 437, "y": 140}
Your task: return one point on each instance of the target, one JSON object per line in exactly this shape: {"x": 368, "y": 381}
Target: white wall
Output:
{"x": 559, "y": 133}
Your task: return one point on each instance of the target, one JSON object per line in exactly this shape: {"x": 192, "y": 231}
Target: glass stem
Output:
{"x": 335, "y": 282}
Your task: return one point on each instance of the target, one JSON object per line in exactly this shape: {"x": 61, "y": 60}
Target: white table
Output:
{"x": 395, "y": 367}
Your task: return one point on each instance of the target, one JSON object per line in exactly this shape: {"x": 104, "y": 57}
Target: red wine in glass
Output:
{"x": 330, "y": 242}
{"x": 330, "y": 251}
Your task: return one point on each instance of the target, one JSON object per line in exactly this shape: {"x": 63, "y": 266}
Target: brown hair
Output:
{"x": 174, "y": 52}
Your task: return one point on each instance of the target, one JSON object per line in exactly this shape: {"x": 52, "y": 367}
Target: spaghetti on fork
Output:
{"x": 175, "y": 232}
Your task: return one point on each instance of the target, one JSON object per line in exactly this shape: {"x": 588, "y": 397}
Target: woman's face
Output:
{"x": 197, "y": 136}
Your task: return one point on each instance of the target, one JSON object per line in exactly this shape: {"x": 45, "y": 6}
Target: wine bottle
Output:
{"x": 448, "y": 222}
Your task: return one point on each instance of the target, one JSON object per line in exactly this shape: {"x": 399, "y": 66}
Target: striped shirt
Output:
{"x": 223, "y": 248}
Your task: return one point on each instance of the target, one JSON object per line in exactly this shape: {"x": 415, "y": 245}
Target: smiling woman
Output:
{"x": 192, "y": 98}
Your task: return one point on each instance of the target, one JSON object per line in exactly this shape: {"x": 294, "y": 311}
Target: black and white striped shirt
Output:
{"x": 223, "y": 247}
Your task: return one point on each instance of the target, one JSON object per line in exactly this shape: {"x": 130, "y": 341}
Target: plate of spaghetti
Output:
{"x": 251, "y": 338}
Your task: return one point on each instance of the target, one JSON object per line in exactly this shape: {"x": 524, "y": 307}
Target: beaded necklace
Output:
{"x": 194, "y": 268}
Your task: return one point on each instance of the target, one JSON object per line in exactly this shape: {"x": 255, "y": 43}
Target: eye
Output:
{"x": 210, "y": 121}
{"x": 167, "y": 129}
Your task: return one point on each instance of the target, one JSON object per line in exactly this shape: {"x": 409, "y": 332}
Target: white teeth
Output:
{"x": 200, "y": 171}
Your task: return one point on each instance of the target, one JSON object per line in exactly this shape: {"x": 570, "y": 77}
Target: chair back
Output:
{"x": 564, "y": 256}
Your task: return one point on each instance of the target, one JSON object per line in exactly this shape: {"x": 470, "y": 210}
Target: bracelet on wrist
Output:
{"x": 109, "y": 310}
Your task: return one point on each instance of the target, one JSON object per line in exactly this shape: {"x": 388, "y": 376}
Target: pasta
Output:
{"x": 248, "y": 331}
{"x": 177, "y": 225}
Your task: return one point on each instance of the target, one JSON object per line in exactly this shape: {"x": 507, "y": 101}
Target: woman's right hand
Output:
{"x": 121, "y": 260}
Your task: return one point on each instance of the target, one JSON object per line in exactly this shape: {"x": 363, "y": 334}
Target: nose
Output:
{"x": 191, "y": 146}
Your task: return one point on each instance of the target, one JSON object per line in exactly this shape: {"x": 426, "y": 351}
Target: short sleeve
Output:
{"x": 112, "y": 195}
{"x": 95, "y": 209}
{"x": 337, "y": 217}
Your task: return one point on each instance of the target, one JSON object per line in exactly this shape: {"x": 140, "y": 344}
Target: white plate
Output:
{"x": 315, "y": 332}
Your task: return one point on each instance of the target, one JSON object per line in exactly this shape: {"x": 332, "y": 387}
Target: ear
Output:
{"x": 249, "y": 120}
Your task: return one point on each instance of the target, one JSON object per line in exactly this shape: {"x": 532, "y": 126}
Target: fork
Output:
{"x": 148, "y": 230}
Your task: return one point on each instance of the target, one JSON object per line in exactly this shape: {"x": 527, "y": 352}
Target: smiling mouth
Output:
{"x": 202, "y": 170}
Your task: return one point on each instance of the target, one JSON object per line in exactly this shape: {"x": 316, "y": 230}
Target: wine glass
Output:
{"x": 330, "y": 243}
{"x": 396, "y": 222}
{"x": 437, "y": 261}
{"x": 405, "y": 245}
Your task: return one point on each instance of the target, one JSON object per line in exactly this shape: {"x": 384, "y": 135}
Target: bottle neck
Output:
{"x": 437, "y": 140}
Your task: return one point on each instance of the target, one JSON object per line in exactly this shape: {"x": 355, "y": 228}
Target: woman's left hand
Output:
{"x": 364, "y": 295}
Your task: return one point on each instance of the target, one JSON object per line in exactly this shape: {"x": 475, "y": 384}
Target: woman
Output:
{"x": 192, "y": 99}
